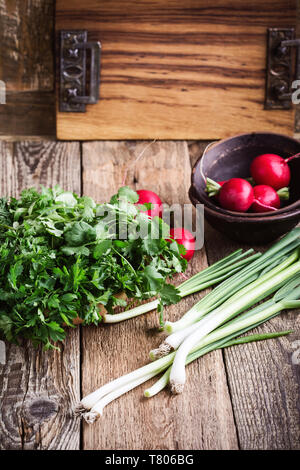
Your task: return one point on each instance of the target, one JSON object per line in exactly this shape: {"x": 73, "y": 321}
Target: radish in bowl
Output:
{"x": 271, "y": 170}
{"x": 236, "y": 194}
{"x": 265, "y": 199}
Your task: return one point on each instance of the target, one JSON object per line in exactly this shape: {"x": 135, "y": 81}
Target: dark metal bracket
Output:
{"x": 280, "y": 67}
{"x": 73, "y": 71}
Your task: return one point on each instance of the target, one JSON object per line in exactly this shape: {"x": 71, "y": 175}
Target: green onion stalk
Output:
{"x": 208, "y": 277}
{"x": 242, "y": 298}
{"x": 91, "y": 407}
{"x": 265, "y": 267}
{"x": 264, "y": 264}
{"x": 279, "y": 272}
{"x": 260, "y": 289}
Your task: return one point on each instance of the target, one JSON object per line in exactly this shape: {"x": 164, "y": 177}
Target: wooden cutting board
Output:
{"x": 177, "y": 70}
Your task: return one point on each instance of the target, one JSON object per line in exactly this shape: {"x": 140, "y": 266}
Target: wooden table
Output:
{"x": 244, "y": 397}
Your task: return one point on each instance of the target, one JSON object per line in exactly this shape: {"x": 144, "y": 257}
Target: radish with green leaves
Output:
{"x": 238, "y": 195}
{"x": 235, "y": 194}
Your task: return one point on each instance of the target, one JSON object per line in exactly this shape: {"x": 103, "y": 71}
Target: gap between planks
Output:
{"x": 39, "y": 389}
{"x": 163, "y": 422}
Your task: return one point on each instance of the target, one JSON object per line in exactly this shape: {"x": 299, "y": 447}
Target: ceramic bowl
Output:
{"x": 232, "y": 158}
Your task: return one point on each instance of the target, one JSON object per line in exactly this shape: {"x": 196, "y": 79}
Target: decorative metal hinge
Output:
{"x": 280, "y": 67}
{"x": 75, "y": 93}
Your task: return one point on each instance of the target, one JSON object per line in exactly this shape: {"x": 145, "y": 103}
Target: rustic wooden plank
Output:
{"x": 202, "y": 417}
{"x": 263, "y": 377}
{"x": 26, "y": 34}
{"x": 38, "y": 389}
{"x": 27, "y": 68}
{"x": 27, "y": 114}
{"x": 177, "y": 70}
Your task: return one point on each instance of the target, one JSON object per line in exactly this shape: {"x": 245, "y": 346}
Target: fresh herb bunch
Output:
{"x": 62, "y": 255}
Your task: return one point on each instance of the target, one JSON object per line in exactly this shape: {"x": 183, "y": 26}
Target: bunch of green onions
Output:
{"x": 216, "y": 323}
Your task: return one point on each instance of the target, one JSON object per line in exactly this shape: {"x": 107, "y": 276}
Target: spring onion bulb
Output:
{"x": 174, "y": 340}
{"x": 163, "y": 381}
{"x": 226, "y": 312}
{"x": 90, "y": 400}
{"x": 210, "y": 276}
{"x": 97, "y": 410}
{"x": 92, "y": 415}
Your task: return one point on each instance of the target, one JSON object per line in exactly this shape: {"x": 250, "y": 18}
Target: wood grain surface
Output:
{"x": 27, "y": 68}
{"x": 38, "y": 389}
{"x": 201, "y": 418}
{"x": 177, "y": 70}
{"x": 246, "y": 397}
{"x": 262, "y": 378}
{"x": 26, "y": 115}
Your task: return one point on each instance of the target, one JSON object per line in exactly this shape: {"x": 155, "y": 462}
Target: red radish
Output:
{"x": 185, "y": 238}
{"x": 236, "y": 194}
{"x": 146, "y": 197}
{"x": 265, "y": 199}
{"x": 272, "y": 170}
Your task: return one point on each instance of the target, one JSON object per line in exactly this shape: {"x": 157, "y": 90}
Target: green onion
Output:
{"x": 245, "y": 298}
{"x": 92, "y": 405}
{"x": 240, "y": 287}
{"x": 164, "y": 380}
{"x": 174, "y": 340}
{"x": 225, "y": 290}
{"x": 271, "y": 272}
{"x": 91, "y": 415}
{"x": 130, "y": 381}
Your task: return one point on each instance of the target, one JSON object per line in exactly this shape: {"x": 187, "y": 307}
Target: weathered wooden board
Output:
{"x": 177, "y": 70}
{"x": 263, "y": 378}
{"x": 26, "y": 67}
{"x": 201, "y": 418}
{"x": 38, "y": 389}
{"x": 26, "y": 115}
{"x": 25, "y": 37}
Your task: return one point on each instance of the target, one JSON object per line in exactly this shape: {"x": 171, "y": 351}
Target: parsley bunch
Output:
{"x": 62, "y": 255}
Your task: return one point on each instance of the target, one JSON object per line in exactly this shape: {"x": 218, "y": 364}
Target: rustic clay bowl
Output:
{"x": 250, "y": 230}
{"x": 232, "y": 157}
